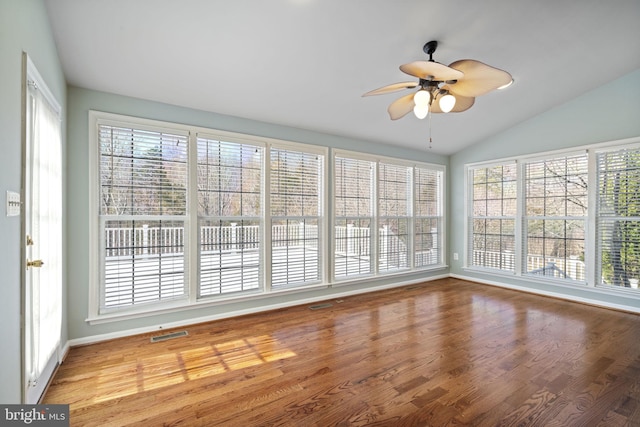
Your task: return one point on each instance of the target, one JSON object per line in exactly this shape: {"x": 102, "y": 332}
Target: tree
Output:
{"x": 619, "y": 204}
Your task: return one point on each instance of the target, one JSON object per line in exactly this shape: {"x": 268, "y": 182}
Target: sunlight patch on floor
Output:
{"x": 170, "y": 368}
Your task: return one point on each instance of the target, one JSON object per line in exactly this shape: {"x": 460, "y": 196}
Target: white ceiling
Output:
{"x": 306, "y": 63}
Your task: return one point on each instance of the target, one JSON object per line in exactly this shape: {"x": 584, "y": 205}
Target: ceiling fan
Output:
{"x": 454, "y": 87}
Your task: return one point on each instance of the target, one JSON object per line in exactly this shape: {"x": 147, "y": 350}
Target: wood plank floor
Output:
{"x": 448, "y": 352}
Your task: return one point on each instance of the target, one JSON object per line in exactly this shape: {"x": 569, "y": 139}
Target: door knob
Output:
{"x": 35, "y": 263}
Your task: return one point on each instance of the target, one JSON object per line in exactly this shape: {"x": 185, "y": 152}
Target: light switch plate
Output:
{"x": 13, "y": 203}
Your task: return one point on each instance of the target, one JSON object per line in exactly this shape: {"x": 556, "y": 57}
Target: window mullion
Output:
{"x": 591, "y": 244}
{"x": 267, "y": 227}
{"x": 375, "y": 220}
{"x": 519, "y": 226}
{"x": 192, "y": 246}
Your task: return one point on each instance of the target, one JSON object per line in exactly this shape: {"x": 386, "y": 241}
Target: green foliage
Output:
{"x": 619, "y": 193}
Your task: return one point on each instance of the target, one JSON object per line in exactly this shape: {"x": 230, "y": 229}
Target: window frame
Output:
{"x": 592, "y": 243}
{"x": 439, "y": 217}
{"x": 375, "y": 215}
{"x": 321, "y": 216}
{"x": 385, "y": 218}
{"x": 633, "y": 145}
{"x": 200, "y": 217}
{"x": 470, "y": 216}
{"x": 371, "y": 218}
{"x": 527, "y": 218}
{"x": 325, "y": 217}
{"x": 96, "y": 249}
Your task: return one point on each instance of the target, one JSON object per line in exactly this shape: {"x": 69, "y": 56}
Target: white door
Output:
{"x": 42, "y": 240}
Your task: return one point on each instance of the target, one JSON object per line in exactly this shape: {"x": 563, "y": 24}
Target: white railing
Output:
{"x": 393, "y": 251}
{"x": 294, "y": 234}
{"x": 353, "y": 241}
{"x": 350, "y": 241}
{"x": 230, "y": 238}
{"x": 144, "y": 240}
{"x": 150, "y": 240}
{"x": 572, "y": 267}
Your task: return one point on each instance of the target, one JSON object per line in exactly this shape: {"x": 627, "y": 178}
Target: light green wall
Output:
{"x": 83, "y": 100}
{"x": 24, "y": 26}
{"x": 608, "y": 113}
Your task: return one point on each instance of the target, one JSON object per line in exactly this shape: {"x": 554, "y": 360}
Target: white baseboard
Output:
{"x": 64, "y": 351}
{"x": 597, "y": 303}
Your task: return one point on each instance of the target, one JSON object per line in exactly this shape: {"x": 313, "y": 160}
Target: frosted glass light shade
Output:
{"x": 421, "y": 112}
{"x": 447, "y": 103}
{"x": 422, "y": 98}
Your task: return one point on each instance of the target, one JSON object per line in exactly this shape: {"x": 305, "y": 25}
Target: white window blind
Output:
{"x": 618, "y": 219}
{"x": 229, "y": 216}
{"x": 428, "y": 190}
{"x": 296, "y": 194}
{"x": 394, "y": 201}
{"x": 492, "y": 221}
{"x": 555, "y": 217}
{"x": 246, "y": 213}
{"x": 353, "y": 201}
{"x": 143, "y": 187}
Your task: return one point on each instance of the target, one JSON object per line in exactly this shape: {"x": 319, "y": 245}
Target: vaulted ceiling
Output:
{"x": 306, "y": 63}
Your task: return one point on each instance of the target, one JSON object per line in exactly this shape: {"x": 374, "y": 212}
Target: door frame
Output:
{"x": 29, "y": 394}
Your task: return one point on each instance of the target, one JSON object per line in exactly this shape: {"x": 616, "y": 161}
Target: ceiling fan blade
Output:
{"x": 463, "y": 103}
{"x": 401, "y": 107}
{"x": 479, "y": 78}
{"x": 429, "y": 70}
{"x": 392, "y": 88}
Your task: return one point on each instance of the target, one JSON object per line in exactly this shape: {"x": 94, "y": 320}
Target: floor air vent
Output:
{"x": 169, "y": 336}
{"x": 319, "y": 306}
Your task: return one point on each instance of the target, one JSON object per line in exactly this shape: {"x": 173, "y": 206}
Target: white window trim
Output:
{"x": 468, "y": 209}
{"x": 524, "y": 218}
{"x": 590, "y": 221}
{"x": 373, "y": 220}
{"x": 376, "y": 159}
{"x": 191, "y": 301}
{"x": 441, "y": 209}
{"x": 322, "y": 215}
{"x": 194, "y": 231}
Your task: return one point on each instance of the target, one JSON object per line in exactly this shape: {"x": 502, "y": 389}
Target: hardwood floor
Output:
{"x": 448, "y": 352}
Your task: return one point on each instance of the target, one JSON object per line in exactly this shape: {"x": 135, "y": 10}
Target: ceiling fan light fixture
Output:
{"x": 447, "y": 103}
{"x": 420, "y": 111}
{"x": 422, "y": 99}
{"x": 455, "y": 86}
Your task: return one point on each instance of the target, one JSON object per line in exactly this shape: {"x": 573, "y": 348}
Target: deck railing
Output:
{"x": 571, "y": 267}
{"x": 350, "y": 240}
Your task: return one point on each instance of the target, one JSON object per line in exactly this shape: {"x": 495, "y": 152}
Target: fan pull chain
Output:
{"x": 430, "y": 114}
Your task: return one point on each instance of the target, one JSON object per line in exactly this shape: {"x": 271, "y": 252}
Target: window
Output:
{"x": 570, "y": 218}
{"x": 229, "y": 216}
{"x": 402, "y": 201}
{"x": 296, "y": 217}
{"x": 143, "y": 207}
{"x": 555, "y": 217}
{"x": 394, "y": 201}
{"x": 187, "y": 216}
{"x": 428, "y": 187}
{"x": 353, "y": 196}
{"x": 618, "y": 221}
{"x": 493, "y": 217}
